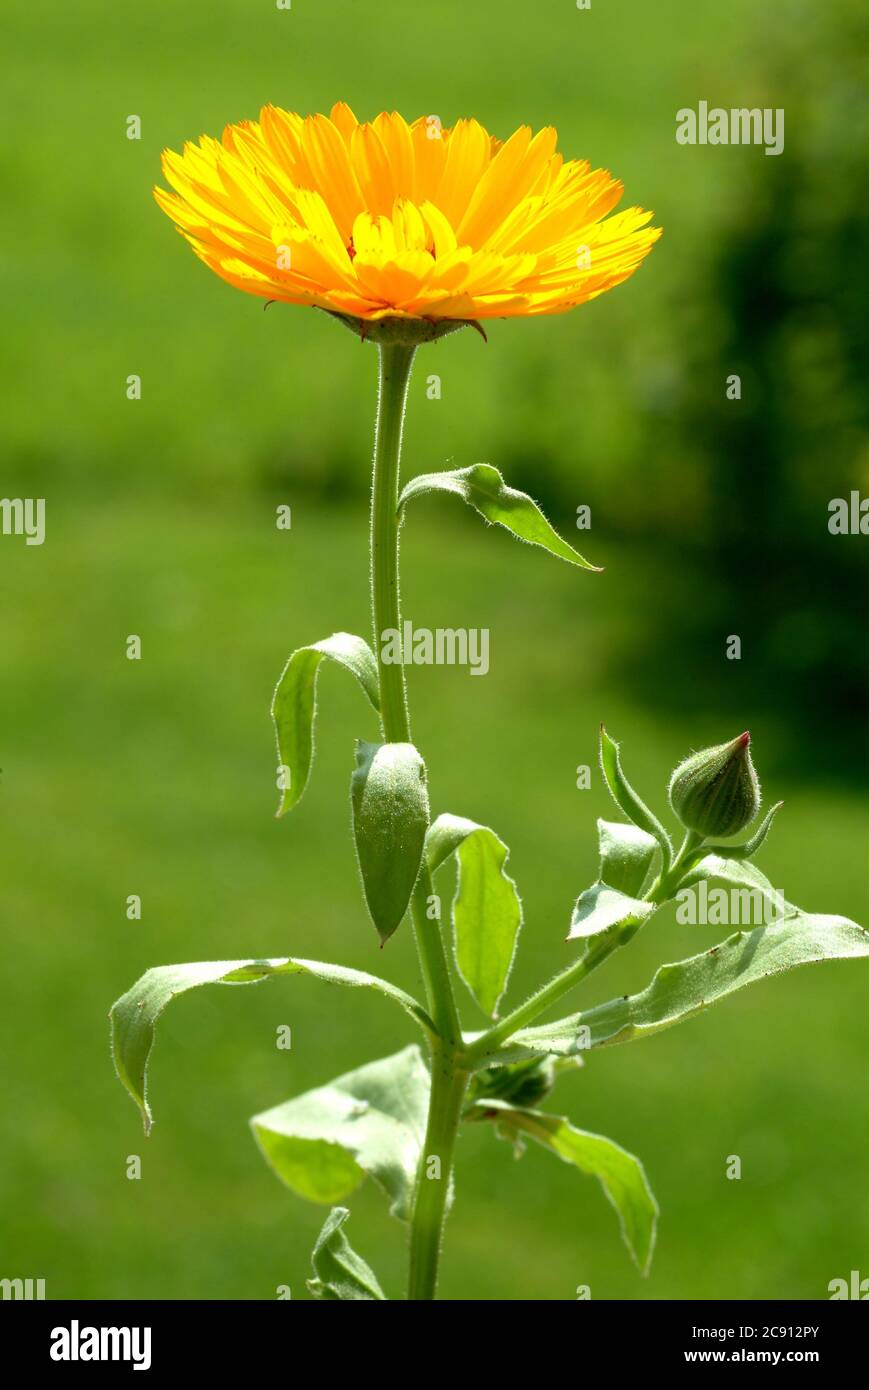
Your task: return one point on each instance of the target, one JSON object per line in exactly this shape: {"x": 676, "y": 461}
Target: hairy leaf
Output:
{"x": 681, "y": 990}
{"x": 134, "y": 1016}
{"x": 483, "y": 488}
{"x": 735, "y": 874}
{"x": 600, "y": 908}
{"x": 370, "y": 1122}
{"x": 621, "y": 1175}
{"x": 341, "y": 1274}
{"x": 626, "y": 798}
{"x": 390, "y": 819}
{"x": 626, "y": 854}
{"x": 294, "y": 706}
{"x": 487, "y": 912}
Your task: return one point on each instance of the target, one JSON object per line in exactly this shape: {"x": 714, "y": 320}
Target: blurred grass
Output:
{"x": 155, "y": 777}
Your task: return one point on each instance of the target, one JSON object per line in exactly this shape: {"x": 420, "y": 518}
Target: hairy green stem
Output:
{"x": 598, "y": 951}
{"x": 448, "y": 1084}
{"x": 665, "y": 886}
{"x": 448, "y": 1080}
{"x": 489, "y": 1042}
{"x": 395, "y": 368}
{"x": 396, "y": 361}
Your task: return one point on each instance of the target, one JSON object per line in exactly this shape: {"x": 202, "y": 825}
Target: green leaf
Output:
{"x": 370, "y": 1122}
{"x": 487, "y": 912}
{"x": 294, "y": 706}
{"x": 684, "y": 989}
{"x": 600, "y": 908}
{"x": 483, "y": 488}
{"x": 718, "y": 872}
{"x": 626, "y": 854}
{"x": 134, "y": 1016}
{"x": 621, "y": 1175}
{"x": 625, "y": 797}
{"x": 341, "y": 1274}
{"x": 390, "y": 819}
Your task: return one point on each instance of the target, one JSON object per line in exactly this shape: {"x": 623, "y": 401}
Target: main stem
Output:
{"x": 395, "y": 367}
{"x": 448, "y": 1080}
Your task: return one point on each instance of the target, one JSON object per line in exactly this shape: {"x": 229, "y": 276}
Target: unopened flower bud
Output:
{"x": 716, "y": 791}
{"x": 520, "y": 1083}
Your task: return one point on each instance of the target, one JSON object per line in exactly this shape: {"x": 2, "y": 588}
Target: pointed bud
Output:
{"x": 716, "y": 791}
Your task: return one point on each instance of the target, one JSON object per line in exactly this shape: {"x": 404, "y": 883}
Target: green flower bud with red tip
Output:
{"x": 716, "y": 792}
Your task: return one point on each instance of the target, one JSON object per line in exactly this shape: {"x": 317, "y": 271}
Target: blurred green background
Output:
{"x": 157, "y": 777}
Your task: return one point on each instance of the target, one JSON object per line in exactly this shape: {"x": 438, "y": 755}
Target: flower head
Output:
{"x": 390, "y": 220}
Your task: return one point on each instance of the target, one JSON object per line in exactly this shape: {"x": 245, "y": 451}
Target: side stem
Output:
{"x": 598, "y": 951}
{"x": 448, "y": 1079}
{"x": 665, "y": 886}
{"x": 489, "y": 1042}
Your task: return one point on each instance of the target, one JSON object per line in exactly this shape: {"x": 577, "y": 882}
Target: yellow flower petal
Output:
{"x": 388, "y": 218}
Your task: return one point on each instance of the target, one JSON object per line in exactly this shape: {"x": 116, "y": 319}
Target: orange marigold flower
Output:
{"x": 390, "y": 220}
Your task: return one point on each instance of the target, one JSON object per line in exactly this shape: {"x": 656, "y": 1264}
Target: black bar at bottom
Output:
{"x": 69, "y": 1338}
